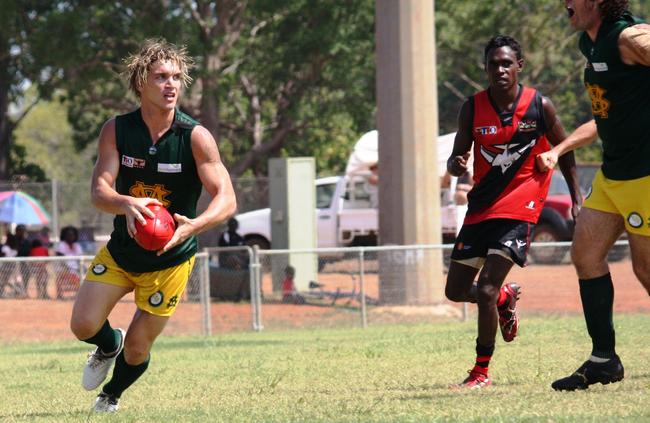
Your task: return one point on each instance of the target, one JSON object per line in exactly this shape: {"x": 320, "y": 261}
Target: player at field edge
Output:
{"x": 507, "y": 124}
{"x": 153, "y": 155}
{"x": 617, "y": 77}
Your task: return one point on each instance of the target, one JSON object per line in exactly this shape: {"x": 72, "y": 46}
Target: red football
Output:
{"x": 157, "y": 231}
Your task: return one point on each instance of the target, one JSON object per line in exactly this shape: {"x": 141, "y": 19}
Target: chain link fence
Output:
{"x": 356, "y": 287}
{"x": 285, "y": 289}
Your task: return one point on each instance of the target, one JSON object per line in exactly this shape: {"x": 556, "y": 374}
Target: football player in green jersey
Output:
{"x": 617, "y": 77}
{"x": 153, "y": 155}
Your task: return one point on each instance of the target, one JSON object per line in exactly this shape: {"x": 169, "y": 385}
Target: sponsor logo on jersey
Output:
{"x": 133, "y": 162}
{"x": 600, "y": 67}
{"x": 506, "y": 155}
{"x": 527, "y": 125}
{"x": 530, "y": 205}
{"x": 486, "y": 130}
{"x": 170, "y": 168}
{"x": 156, "y": 298}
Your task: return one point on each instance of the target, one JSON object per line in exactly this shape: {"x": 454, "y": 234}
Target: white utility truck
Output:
{"x": 347, "y": 206}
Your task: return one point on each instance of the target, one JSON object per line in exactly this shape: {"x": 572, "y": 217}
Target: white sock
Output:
{"x": 598, "y": 359}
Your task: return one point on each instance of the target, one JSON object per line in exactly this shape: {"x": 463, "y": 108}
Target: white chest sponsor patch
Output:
{"x": 600, "y": 67}
{"x": 170, "y": 167}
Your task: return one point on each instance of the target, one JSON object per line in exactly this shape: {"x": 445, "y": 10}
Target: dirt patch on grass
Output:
{"x": 546, "y": 290}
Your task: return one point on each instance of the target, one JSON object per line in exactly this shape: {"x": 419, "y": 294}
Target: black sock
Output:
{"x": 124, "y": 375}
{"x": 597, "y": 296}
{"x": 107, "y": 339}
{"x": 483, "y": 357}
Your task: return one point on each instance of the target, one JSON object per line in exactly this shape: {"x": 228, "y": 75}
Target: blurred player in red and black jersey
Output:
{"x": 507, "y": 126}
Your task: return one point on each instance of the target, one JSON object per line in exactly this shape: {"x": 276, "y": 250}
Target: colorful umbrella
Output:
{"x": 18, "y": 207}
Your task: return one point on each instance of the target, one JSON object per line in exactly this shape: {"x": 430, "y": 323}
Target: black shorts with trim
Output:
{"x": 509, "y": 235}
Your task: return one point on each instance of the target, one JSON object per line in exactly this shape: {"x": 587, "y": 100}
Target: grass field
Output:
{"x": 381, "y": 374}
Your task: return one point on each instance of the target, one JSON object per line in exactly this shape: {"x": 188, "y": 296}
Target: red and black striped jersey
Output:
{"x": 506, "y": 182}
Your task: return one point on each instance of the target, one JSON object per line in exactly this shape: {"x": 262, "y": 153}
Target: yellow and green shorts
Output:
{"x": 156, "y": 292}
{"x": 629, "y": 199}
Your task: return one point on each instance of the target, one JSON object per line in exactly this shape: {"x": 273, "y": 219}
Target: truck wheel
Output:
{"x": 261, "y": 243}
{"x": 546, "y": 255}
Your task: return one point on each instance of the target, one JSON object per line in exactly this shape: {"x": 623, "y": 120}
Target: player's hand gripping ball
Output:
{"x": 157, "y": 231}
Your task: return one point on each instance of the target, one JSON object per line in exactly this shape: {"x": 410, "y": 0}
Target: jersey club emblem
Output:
{"x": 599, "y": 104}
{"x": 507, "y": 154}
{"x": 157, "y": 191}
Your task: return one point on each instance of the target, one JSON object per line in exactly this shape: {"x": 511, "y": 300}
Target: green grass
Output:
{"x": 382, "y": 374}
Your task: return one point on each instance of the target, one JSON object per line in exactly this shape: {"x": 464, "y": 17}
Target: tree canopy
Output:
{"x": 272, "y": 77}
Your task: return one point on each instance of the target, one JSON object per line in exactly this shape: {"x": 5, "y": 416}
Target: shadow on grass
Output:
{"x": 78, "y": 415}
{"x": 632, "y": 375}
{"x": 175, "y": 344}
{"x": 163, "y": 344}
{"x": 36, "y": 349}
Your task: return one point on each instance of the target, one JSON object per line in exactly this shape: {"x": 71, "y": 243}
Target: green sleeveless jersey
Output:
{"x": 165, "y": 171}
{"x": 620, "y": 102}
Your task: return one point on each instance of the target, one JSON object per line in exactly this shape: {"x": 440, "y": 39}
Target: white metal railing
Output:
{"x": 257, "y": 258}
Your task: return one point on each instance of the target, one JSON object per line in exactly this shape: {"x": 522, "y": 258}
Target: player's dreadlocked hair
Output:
{"x": 502, "y": 41}
{"x": 613, "y": 9}
{"x": 153, "y": 50}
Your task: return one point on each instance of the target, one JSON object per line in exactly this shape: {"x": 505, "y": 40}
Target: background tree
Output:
{"x": 273, "y": 77}
{"x": 302, "y": 83}
{"x": 19, "y": 21}
{"x": 554, "y": 64}
{"x": 47, "y": 135}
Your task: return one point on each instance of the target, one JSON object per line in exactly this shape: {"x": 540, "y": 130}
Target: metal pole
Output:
{"x": 55, "y": 208}
{"x": 256, "y": 290}
{"x": 362, "y": 282}
{"x": 80, "y": 270}
{"x": 205, "y": 294}
{"x": 252, "y": 284}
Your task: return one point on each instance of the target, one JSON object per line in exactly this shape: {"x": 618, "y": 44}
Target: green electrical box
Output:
{"x": 292, "y": 193}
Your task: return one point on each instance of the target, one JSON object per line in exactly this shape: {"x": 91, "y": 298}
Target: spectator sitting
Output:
{"x": 10, "y": 247}
{"x": 236, "y": 260}
{"x": 289, "y": 293}
{"x": 68, "y": 279}
{"x": 40, "y": 268}
{"x": 44, "y": 237}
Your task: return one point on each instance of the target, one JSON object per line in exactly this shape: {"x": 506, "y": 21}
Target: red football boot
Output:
{"x": 475, "y": 380}
{"x": 508, "y": 319}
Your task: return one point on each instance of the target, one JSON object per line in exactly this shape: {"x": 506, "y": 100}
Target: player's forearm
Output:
{"x": 107, "y": 199}
{"x": 583, "y": 135}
